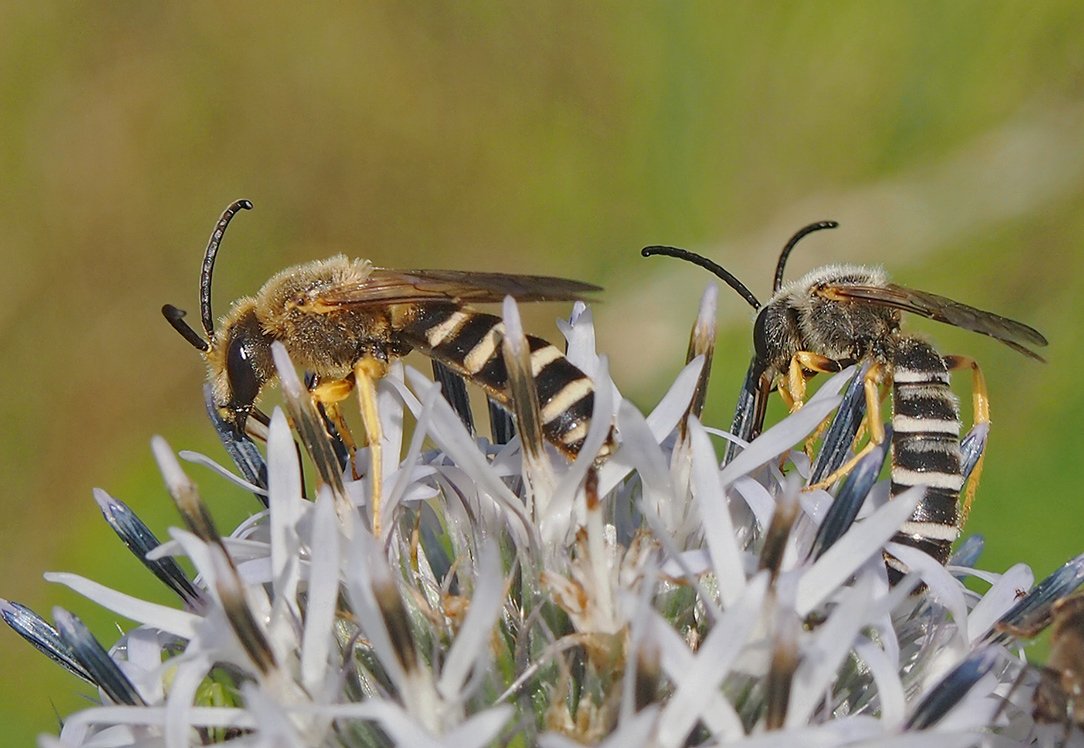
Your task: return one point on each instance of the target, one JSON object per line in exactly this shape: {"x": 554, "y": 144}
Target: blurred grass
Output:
{"x": 553, "y": 138}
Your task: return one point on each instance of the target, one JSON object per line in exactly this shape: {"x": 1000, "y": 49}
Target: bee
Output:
{"x": 344, "y": 320}
{"x": 1059, "y": 694}
{"x": 843, "y": 314}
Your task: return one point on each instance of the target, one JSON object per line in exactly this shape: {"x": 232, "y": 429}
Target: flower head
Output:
{"x": 639, "y": 594}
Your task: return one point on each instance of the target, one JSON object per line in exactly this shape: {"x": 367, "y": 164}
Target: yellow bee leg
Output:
{"x": 801, "y": 363}
{"x": 980, "y": 407}
{"x": 871, "y": 386}
{"x": 817, "y": 434}
{"x": 330, "y": 394}
{"x": 335, "y": 415}
{"x": 783, "y": 387}
{"x": 815, "y": 362}
{"x": 784, "y": 394}
{"x": 367, "y": 372}
{"x": 332, "y": 391}
{"x": 795, "y": 385}
{"x": 886, "y": 387}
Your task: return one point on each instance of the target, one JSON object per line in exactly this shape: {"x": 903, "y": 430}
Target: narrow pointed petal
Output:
{"x": 242, "y": 450}
{"x": 861, "y": 542}
{"x": 141, "y": 541}
{"x": 851, "y": 496}
{"x": 310, "y": 427}
{"x": 184, "y": 492}
{"x": 952, "y": 689}
{"x": 177, "y": 622}
{"x": 1035, "y": 606}
{"x": 46, "y": 639}
{"x": 702, "y": 343}
{"x": 468, "y": 649}
{"x": 836, "y": 445}
{"x": 94, "y": 659}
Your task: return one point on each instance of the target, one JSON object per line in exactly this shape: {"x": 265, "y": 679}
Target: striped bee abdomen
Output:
{"x": 925, "y": 450}
{"x": 469, "y": 343}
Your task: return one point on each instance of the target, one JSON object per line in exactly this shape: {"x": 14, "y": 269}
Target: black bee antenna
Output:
{"x": 704, "y": 262}
{"x": 209, "y": 263}
{"x": 175, "y": 317}
{"x": 802, "y": 233}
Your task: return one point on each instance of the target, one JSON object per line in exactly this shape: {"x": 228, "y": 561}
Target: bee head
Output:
{"x": 776, "y": 336}
{"x": 239, "y": 362}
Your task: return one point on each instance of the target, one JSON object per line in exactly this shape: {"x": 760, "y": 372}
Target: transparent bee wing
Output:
{"x": 1014, "y": 334}
{"x": 383, "y": 287}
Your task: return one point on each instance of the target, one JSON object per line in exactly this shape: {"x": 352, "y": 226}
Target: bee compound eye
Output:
{"x": 244, "y": 384}
{"x": 760, "y": 335}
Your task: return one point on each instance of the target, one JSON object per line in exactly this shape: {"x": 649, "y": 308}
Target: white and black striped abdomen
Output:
{"x": 469, "y": 343}
{"x": 925, "y": 449}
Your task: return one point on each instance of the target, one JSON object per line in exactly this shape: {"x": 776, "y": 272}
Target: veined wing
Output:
{"x": 1014, "y": 334}
{"x": 384, "y": 286}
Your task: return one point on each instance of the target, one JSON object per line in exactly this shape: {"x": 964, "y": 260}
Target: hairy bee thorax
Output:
{"x": 326, "y": 341}
{"x": 798, "y": 318}
{"x": 300, "y": 285}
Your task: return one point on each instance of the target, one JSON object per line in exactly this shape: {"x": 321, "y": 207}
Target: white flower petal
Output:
{"x": 468, "y": 649}
{"x": 178, "y": 712}
{"x": 1004, "y": 593}
{"x": 197, "y": 458}
{"x": 361, "y": 558}
{"x": 640, "y": 450}
{"x": 714, "y": 511}
{"x": 823, "y": 655}
{"x": 480, "y": 730}
{"x": 780, "y": 438}
{"x": 941, "y": 586}
{"x": 863, "y": 540}
{"x": 676, "y": 661}
{"x": 402, "y": 727}
{"x": 452, "y": 436}
{"x": 696, "y": 685}
{"x": 323, "y": 594}
{"x": 285, "y": 503}
{"x": 886, "y": 676}
{"x": 579, "y": 333}
{"x": 925, "y": 739}
{"x": 404, "y": 479}
{"x": 757, "y": 498}
{"x": 391, "y": 417}
{"x": 839, "y": 732}
{"x": 177, "y": 622}
{"x": 664, "y": 418}
{"x": 275, "y": 728}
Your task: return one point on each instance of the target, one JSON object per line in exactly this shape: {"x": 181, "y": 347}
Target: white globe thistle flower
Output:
{"x": 649, "y": 598}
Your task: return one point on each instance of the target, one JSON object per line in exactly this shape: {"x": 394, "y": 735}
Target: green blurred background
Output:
{"x": 947, "y": 138}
